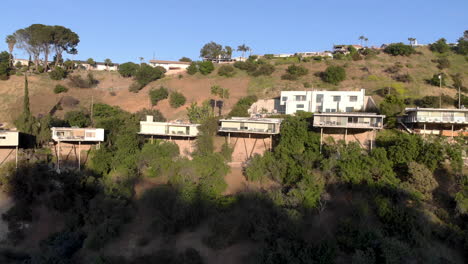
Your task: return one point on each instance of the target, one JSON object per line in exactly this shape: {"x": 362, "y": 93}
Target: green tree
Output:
{"x": 58, "y": 73}
{"x": 185, "y": 59}
{"x": 211, "y": 50}
{"x": 421, "y": 179}
{"x": 91, "y": 62}
{"x": 64, "y": 40}
{"x": 440, "y": 46}
{"x": 78, "y": 119}
{"x": 436, "y": 80}
{"x": 193, "y": 68}
{"x": 25, "y": 122}
{"x": 334, "y": 74}
{"x": 108, "y": 63}
{"x": 361, "y": 38}
{"x": 177, "y": 99}
{"x": 198, "y": 114}
{"x": 399, "y": 49}
{"x": 147, "y": 74}
{"x": 243, "y": 48}
{"x": 5, "y": 67}
{"x": 205, "y": 67}
{"x": 128, "y": 69}
{"x": 392, "y": 106}
{"x": 11, "y": 42}
{"x": 157, "y": 95}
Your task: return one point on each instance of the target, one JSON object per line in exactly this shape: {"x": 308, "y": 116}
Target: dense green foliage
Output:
{"x": 128, "y": 69}
{"x": 177, "y": 99}
{"x": 334, "y": 74}
{"x": 226, "y": 71}
{"x": 77, "y": 119}
{"x": 145, "y": 75}
{"x": 294, "y": 72}
{"x": 205, "y": 67}
{"x": 241, "y": 107}
{"x": 399, "y": 49}
{"x": 60, "y": 89}
{"x": 255, "y": 68}
{"x": 157, "y": 95}
{"x": 436, "y": 81}
{"x": 58, "y": 73}
{"x": 440, "y": 46}
{"x": 5, "y": 67}
{"x": 79, "y": 81}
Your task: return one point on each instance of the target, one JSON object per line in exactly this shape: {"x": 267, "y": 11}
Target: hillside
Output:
{"x": 113, "y": 89}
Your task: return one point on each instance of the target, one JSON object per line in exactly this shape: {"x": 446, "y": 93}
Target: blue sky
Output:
{"x": 125, "y": 30}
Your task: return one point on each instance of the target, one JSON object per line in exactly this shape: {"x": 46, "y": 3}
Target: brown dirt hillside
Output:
{"x": 113, "y": 89}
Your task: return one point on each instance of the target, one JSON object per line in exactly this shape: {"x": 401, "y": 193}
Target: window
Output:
{"x": 300, "y": 106}
{"x": 300, "y": 97}
{"x": 328, "y": 110}
{"x": 319, "y": 98}
{"x": 336, "y": 98}
{"x": 90, "y": 134}
{"x": 2, "y": 137}
{"x": 349, "y": 109}
{"x": 333, "y": 110}
{"x": 284, "y": 98}
{"x": 353, "y": 98}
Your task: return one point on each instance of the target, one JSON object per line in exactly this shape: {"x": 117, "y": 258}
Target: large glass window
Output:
{"x": 349, "y": 109}
{"x": 300, "y": 106}
{"x": 284, "y": 98}
{"x": 336, "y": 98}
{"x": 319, "y": 98}
{"x": 353, "y": 98}
{"x": 300, "y": 97}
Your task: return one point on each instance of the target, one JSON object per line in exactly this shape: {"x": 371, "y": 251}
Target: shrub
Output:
{"x": 297, "y": 70}
{"x": 268, "y": 56}
{"x": 443, "y": 63}
{"x": 307, "y": 85}
{"x": 80, "y": 82}
{"x": 60, "y": 89}
{"x": 226, "y": 71}
{"x": 394, "y": 68}
{"x": 193, "y": 68}
{"x": 205, "y": 67}
{"x": 402, "y": 78}
{"x": 334, "y": 74}
{"x": 290, "y": 77}
{"x": 78, "y": 119}
{"x": 177, "y": 99}
{"x": 135, "y": 87}
{"x": 439, "y": 46}
{"x": 157, "y": 95}
{"x": 264, "y": 69}
{"x": 421, "y": 179}
{"x": 128, "y": 69}
{"x": 69, "y": 101}
{"x": 435, "y": 81}
{"x": 185, "y": 59}
{"x": 241, "y": 107}
{"x": 399, "y": 49}
{"x": 58, "y": 73}
{"x": 147, "y": 74}
{"x": 247, "y": 66}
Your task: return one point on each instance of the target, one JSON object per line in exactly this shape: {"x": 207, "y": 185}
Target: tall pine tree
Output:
{"x": 25, "y": 122}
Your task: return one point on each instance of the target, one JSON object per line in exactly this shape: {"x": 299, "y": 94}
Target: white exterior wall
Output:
{"x": 9, "y": 138}
{"x": 327, "y": 105}
{"x": 168, "y": 66}
{"x": 168, "y": 129}
{"x": 100, "y": 67}
{"x": 77, "y": 134}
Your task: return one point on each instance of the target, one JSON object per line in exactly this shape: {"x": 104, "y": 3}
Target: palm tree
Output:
{"x": 11, "y": 41}
{"x": 108, "y": 63}
{"x": 366, "y": 39}
{"x": 411, "y": 41}
{"x": 243, "y": 48}
{"x": 361, "y": 38}
{"x": 141, "y": 60}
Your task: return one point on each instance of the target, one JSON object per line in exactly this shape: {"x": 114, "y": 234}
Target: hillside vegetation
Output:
{"x": 406, "y": 75}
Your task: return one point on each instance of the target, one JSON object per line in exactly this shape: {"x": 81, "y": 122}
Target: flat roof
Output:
{"x": 74, "y": 128}
{"x": 436, "y": 109}
{"x": 364, "y": 114}
{"x": 253, "y": 120}
{"x": 7, "y": 131}
{"x": 169, "y": 123}
{"x": 169, "y": 62}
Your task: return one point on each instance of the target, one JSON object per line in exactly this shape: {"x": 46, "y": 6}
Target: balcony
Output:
{"x": 247, "y": 130}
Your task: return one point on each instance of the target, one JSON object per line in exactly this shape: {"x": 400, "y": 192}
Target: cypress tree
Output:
{"x": 26, "y": 110}
{"x": 25, "y": 121}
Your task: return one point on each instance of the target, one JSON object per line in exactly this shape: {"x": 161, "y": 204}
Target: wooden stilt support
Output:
{"x": 452, "y": 131}
{"x": 246, "y": 151}
{"x": 229, "y": 138}
{"x": 271, "y": 142}
{"x": 16, "y": 166}
{"x": 424, "y": 131}
{"x": 79, "y": 155}
{"x": 372, "y": 138}
{"x": 58, "y": 157}
{"x": 321, "y": 139}
{"x": 345, "y": 136}
{"x": 152, "y": 139}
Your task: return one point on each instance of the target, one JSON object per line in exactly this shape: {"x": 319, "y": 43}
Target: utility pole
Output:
{"x": 440, "y": 86}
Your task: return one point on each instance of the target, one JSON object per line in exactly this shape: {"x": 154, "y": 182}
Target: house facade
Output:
{"x": 315, "y": 54}
{"x": 436, "y": 121}
{"x": 170, "y": 66}
{"x": 9, "y": 138}
{"x": 75, "y": 134}
{"x": 171, "y": 129}
{"x": 266, "y": 126}
{"x": 349, "y": 120}
{"x": 323, "y": 101}
{"x": 98, "y": 66}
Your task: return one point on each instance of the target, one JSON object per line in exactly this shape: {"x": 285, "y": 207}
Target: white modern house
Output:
{"x": 266, "y": 126}
{"x": 75, "y": 134}
{"x": 170, "y": 66}
{"x": 436, "y": 121}
{"x": 170, "y": 129}
{"x": 324, "y": 101}
{"x": 98, "y": 66}
{"x": 349, "y": 120}
{"x": 315, "y": 54}
{"x": 9, "y": 140}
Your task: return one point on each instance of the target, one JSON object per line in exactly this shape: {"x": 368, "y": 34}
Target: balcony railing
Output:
{"x": 248, "y": 130}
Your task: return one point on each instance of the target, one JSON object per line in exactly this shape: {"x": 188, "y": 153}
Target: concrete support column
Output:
{"x": 321, "y": 139}
{"x": 16, "y": 166}
{"x": 79, "y": 155}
